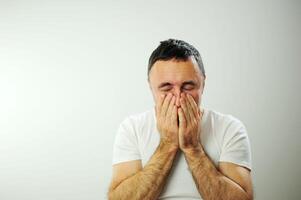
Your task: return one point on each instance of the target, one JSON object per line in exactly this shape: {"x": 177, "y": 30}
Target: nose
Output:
{"x": 177, "y": 93}
{"x": 178, "y": 101}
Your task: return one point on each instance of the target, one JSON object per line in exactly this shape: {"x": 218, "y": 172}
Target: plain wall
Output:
{"x": 71, "y": 71}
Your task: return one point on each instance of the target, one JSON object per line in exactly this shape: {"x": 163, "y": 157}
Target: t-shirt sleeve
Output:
{"x": 126, "y": 145}
{"x": 236, "y": 146}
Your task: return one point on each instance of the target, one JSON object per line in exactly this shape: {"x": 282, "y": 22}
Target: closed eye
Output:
{"x": 189, "y": 85}
{"x": 165, "y": 89}
{"x": 165, "y": 86}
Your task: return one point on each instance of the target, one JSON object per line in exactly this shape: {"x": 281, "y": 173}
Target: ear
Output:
{"x": 151, "y": 89}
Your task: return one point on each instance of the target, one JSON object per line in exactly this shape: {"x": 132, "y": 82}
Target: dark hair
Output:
{"x": 173, "y": 48}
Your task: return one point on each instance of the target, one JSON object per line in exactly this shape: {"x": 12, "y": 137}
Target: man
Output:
{"x": 179, "y": 149}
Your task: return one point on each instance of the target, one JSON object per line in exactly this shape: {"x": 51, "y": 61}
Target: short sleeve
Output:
{"x": 125, "y": 146}
{"x": 236, "y": 146}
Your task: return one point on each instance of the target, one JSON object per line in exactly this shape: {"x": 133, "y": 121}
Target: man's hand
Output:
{"x": 229, "y": 181}
{"x": 167, "y": 120}
{"x": 190, "y": 123}
{"x": 130, "y": 179}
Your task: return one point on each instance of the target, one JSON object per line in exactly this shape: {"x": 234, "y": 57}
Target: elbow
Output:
{"x": 249, "y": 196}
{"x": 111, "y": 194}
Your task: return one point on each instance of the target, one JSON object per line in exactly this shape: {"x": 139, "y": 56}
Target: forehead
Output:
{"x": 175, "y": 71}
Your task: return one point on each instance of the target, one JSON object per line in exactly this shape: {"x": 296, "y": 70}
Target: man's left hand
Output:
{"x": 189, "y": 123}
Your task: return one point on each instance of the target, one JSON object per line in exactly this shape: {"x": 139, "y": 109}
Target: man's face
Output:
{"x": 176, "y": 77}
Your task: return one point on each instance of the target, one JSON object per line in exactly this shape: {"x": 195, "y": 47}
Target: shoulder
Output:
{"x": 137, "y": 120}
{"x": 141, "y": 116}
{"x": 225, "y": 127}
{"x": 232, "y": 137}
{"x": 223, "y": 120}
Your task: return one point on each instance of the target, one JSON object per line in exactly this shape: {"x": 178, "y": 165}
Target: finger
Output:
{"x": 165, "y": 104}
{"x": 170, "y": 107}
{"x": 159, "y": 103}
{"x": 182, "y": 119}
{"x": 193, "y": 106}
{"x": 185, "y": 109}
{"x": 201, "y": 112}
{"x": 190, "y": 109}
{"x": 174, "y": 115}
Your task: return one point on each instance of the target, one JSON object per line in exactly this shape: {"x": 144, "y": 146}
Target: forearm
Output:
{"x": 210, "y": 182}
{"x": 147, "y": 183}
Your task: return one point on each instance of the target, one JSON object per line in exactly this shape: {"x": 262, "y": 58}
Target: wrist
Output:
{"x": 192, "y": 150}
{"x": 168, "y": 146}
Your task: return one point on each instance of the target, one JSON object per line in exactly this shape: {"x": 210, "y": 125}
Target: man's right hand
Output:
{"x": 130, "y": 179}
{"x": 167, "y": 120}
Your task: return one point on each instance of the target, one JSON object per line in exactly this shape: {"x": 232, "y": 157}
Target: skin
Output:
{"x": 176, "y": 77}
{"x": 130, "y": 180}
{"x": 177, "y": 88}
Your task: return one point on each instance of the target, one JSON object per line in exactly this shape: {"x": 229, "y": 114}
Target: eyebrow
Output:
{"x": 164, "y": 84}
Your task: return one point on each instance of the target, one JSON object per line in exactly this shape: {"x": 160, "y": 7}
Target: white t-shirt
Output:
{"x": 223, "y": 137}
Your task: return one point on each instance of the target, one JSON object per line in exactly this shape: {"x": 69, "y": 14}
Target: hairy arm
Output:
{"x": 212, "y": 184}
{"x": 148, "y": 182}
{"x": 229, "y": 181}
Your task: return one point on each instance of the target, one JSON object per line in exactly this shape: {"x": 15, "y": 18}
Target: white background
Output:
{"x": 70, "y": 71}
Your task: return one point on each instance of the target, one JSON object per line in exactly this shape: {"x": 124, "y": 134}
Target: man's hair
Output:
{"x": 175, "y": 49}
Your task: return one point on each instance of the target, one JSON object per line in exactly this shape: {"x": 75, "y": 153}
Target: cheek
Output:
{"x": 196, "y": 98}
{"x": 157, "y": 94}
{"x": 195, "y": 95}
